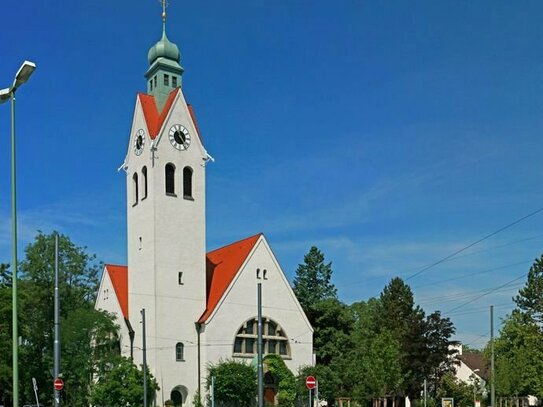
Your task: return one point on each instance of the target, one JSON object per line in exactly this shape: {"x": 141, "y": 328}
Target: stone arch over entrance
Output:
{"x": 178, "y": 396}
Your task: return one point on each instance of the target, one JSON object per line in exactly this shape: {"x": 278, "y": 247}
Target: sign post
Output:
{"x": 310, "y": 383}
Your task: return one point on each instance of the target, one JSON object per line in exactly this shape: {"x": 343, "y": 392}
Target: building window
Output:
{"x": 166, "y": 80}
{"x": 187, "y": 182}
{"x": 151, "y": 84}
{"x": 179, "y": 352}
{"x": 155, "y": 81}
{"x": 274, "y": 339}
{"x": 174, "y": 81}
{"x": 144, "y": 181}
{"x": 135, "y": 188}
{"x": 180, "y": 278}
{"x": 170, "y": 179}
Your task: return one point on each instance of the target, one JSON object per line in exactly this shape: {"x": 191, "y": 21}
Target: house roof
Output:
{"x": 155, "y": 120}
{"x": 476, "y": 363}
{"x": 222, "y": 266}
{"x": 119, "y": 279}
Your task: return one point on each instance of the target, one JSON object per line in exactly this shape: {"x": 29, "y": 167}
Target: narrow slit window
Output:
{"x": 144, "y": 176}
{"x": 179, "y": 352}
{"x": 180, "y": 278}
{"x": 187, "y": 182}
{"x": 135, "y": 188}
{"x": 151, "y": 84}
{"x": 155, "y": 79}
{"x": 174, "y": 81}
{"x": 166, "y": 80}
{"x": 170, "y": 179}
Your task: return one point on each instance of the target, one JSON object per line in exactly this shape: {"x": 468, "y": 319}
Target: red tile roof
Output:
{"x": 223, "y": 264}
{"x": 150, "y": 112}
{"x": 119, "y": 279}
{"x": 154, "y": 120}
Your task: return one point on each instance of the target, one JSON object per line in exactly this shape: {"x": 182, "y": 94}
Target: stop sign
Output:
{"x": 58, "y": 384}
{"x": 310, "y": 382}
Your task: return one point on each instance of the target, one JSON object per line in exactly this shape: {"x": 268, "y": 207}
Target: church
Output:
{"x": 200, "y": 306}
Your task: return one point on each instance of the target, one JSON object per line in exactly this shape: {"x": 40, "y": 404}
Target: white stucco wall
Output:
{"x": 172, "y": 233}
{"x": 106, "y": 300}
{"x": 239, "y": 304}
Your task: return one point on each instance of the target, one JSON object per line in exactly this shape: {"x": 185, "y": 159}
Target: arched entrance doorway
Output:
{"x": 271, "y": 386}
{"x": 178, "y": 396}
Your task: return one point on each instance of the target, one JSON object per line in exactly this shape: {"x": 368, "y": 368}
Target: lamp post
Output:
{"x": 22, "y": 75}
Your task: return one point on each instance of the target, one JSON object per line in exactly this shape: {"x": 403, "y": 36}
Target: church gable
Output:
{"x": 180, "y": 113}
{"x": 113, "y": 292}
{"x": 258, "y": 266}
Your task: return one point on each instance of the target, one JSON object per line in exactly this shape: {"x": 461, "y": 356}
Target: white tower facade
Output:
{"x": 165, "y": 184}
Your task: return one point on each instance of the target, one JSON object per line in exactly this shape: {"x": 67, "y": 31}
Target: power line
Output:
{"x": 510, "y": 243}
{"x": 486, "y": 293}
{"x": 473, "y": 274}
{"x": 474, "y": 243}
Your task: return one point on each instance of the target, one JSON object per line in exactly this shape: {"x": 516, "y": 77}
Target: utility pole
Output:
{"x": 144, "y": 359}
{"x": 259, "y": 348}
{"x": 56, "y": 365}
{"x": 492, "y": 372}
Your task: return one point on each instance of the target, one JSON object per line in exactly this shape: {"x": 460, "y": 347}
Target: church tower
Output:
{"x": 165, "y": 185}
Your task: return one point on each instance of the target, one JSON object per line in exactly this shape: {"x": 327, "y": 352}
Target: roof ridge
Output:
{"x": 236, "y": 242}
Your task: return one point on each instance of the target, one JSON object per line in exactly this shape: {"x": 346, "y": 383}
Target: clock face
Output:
{"x": 139, "y": 141}
{"x": 179, "y": 137}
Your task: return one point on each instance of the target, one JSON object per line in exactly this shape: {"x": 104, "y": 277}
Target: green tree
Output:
{"x": 530, "y": 297}
{"x": 121, "y": 385}
{"x": 312, "y": 282}
{"x": 5, "y": 335}
{"x": 450, "y": 386}
{"x": 286, "y": 382}
{"x": 374, "y": 364}
{"x": 88, "y": 336}
{"x": 424, "y": 341}
{"x": 519, "y": 357}
{"x": 235, "y": 383}
{"x": 332, "y": 323}
{"x": 330, "y": 385}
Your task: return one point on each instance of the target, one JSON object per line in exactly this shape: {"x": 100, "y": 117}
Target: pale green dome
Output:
{"x": 163, "y": 49}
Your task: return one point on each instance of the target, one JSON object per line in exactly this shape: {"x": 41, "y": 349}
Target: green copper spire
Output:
{"x": 164, "y": 73}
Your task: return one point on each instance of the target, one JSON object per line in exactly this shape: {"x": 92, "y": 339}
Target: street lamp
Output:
{"x": 22, "y": 75}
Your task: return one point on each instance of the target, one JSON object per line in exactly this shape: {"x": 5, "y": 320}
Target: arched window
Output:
{"x": 170, "y": 179}
{"x": 187, "y": 182}
{"x": 135, "y": 188}
{"x": 274, "y": 339}
{"x": 144, "y": 176}
{"x": 179, "y": 352}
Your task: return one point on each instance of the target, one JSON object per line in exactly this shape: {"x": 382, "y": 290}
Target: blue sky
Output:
{"x": 388, "y": 134}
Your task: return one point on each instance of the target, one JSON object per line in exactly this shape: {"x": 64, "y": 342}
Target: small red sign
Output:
{"x": 310, "y": 382}
{"x": 58, "y": 384}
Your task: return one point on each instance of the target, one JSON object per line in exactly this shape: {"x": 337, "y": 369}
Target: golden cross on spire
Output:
{"x": 164, "y": 5}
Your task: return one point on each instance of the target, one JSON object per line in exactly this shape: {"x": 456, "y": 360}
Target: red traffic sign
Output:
{"x": 310, "y": 382}
{"x": 58, "y": 384}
